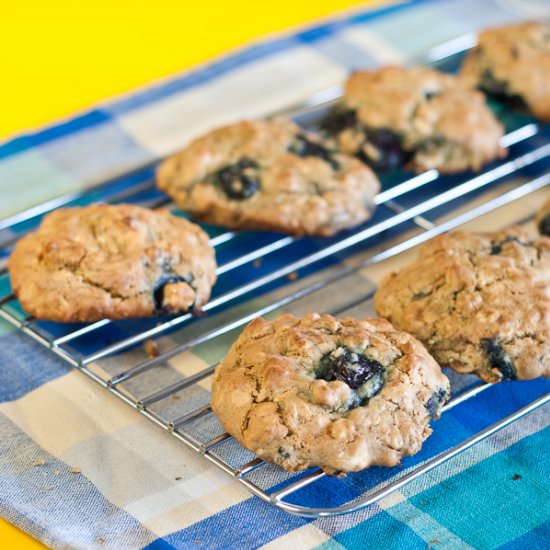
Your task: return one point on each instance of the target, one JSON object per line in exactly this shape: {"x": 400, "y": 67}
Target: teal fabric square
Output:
{"x": 380, "y": 531}
{"x": 484, "y": 523}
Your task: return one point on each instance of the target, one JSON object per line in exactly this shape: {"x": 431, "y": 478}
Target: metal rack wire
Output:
{"x": 412, "y": 202}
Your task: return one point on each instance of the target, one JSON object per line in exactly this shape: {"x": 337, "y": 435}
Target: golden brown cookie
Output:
{"x": 480, "y": 303}
{"x": 513, "y": 63}
{"x": 415, "y": 117}
{"x": 340, "y": 394}
{"x": 112, "y": 262}
{"x": 269, "y": 175}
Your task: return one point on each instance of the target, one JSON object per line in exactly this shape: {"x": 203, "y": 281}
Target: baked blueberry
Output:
{"x": 338, "y": 119}
{"x": 433, "y": 405}
{"x": 304, "y": 147}
{"x": 239, "y": 181}
{"x": 383, "y": 150}
{"x": 349, "y": 367}
{"x": 498, "y": 358}
{"x": 496, "y": 248}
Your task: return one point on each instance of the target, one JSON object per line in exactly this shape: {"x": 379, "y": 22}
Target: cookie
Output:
{"x": 269, "y": 175}
{"x": 512, "y": 63}
{"x": 543, "y": 219}
{"x": 480, "y": 303}
{"x": 112, "y": 262}
{"x": 339, "y": 394}
{"x": 414, "y": 118}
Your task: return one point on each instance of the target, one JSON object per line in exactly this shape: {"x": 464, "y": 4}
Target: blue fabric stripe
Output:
{"x": 25, "y": 365}
{"x": 64, "y": 509}
{"x": 249, "y": 524}
{"x": 536, "y": 539}
{"x": 29, "y": 141}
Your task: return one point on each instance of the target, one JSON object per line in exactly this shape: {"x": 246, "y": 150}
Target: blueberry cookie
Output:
{"x": 480, "y": 303}
{"x": 513, "y": 64}
{"x": 543, "y": 220}
{"x": 415, "y": 118}
{"x": 102, "y": 261}
{"x": 269, "y": 175}
{"x": 339, "y": 394}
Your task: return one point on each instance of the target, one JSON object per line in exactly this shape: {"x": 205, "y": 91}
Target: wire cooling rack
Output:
{"x": 409, "y": 207}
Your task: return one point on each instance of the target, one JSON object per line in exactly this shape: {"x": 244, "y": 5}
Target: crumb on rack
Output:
{"x": 292, "y": 276}
{"x": 151, "y": 348}
{"x": 75, "y": 470}
{"x": 38, "y": 462}
{"x": 257, "y": 262}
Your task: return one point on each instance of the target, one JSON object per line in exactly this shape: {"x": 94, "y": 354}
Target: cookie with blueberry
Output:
{"x": 419, "y": 118}
{"x": 269, "y": 175}
{"x": 543, "y": 219}
{"x": 112, "y": 262}
{"x": 339, "y": 394}
{"x": 512, "y": 64}
{"x": 480, "y": 303}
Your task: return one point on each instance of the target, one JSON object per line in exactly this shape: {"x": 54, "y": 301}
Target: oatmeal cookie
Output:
{"x": 112, "y": 262}
{"x": 340, "y": 394}
{"x": 414, "y": 118}
{"x": 512, "y": 63}
{"x": 269, "y": 175}
{"x": 480, "y": 303}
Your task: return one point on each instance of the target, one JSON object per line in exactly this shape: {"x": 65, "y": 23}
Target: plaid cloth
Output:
{"x": 138, "y": 487}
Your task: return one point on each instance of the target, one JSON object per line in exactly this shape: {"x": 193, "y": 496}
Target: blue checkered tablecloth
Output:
{"x": 137, "y": 486}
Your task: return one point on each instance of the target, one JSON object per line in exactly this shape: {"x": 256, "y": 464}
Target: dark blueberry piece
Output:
{"x": 390, "y": 153}
{"x": 498, "y": 358}
{"x": 430, "y": 95}
{"x": 500, "y": 90}
{"x": 544, "y": 226}
{"x": 433, "y": 402}
{"x": 349, "y": 367}
{"x": 303, "y": 147}
{"x": 497, "y": 247}
{"x": 283, "y": 453}
{"x": 238, "y": 181}
{"x": 166, "y": 279}
{"x": 338, "y": 120}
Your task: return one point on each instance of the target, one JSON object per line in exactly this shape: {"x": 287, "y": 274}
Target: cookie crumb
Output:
{"x": 515, "y": 477}
{"x": 75, "y": 470}
{"x": 38, "y": 462}
{"x": 151, "y": 349}
{"x": 176, "y": 397}
{"x": 292, "y": 276}
{"x": 257, "y": 263}
{"x": 178, "y": 478}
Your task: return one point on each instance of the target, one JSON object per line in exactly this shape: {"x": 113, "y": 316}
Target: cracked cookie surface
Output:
{"x": 269, "y": 175}
{"x": 543, "y": 219}
{"x": 480, "y": 303}
{"x": 512, "y": 63}
{"x": 414, "y": 117}
{"x": 112, "y": 262}
{"x": 339, "y": 394}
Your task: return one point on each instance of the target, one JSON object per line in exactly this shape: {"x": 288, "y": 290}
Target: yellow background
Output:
{"x": 61, "y": 56}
